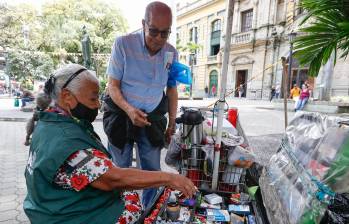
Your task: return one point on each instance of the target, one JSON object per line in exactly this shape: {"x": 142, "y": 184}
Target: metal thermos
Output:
{"x": 192, "y": 130}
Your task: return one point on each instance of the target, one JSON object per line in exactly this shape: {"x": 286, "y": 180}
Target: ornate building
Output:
{"x": 259, "y": 40}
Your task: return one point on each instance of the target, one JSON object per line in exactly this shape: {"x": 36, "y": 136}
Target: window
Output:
{"x": 216, "y": 25}
{"x": 193, "y": 35}
{"x": 215, "y": 37}
{"x": 246, "y": 20}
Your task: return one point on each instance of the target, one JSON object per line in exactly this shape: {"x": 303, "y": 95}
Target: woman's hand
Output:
{"x": 182, "y": 184}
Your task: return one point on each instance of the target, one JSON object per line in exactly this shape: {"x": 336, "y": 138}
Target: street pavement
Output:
{"x": 263, "y": 126}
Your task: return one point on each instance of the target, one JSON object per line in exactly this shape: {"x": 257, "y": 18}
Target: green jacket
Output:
{"x": 55, "y": 138}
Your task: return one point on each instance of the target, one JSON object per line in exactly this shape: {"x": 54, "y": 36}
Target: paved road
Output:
{"x": 263, "y": 126}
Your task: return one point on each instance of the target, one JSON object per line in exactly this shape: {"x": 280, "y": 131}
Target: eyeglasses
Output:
{"x": 155, "y": 32}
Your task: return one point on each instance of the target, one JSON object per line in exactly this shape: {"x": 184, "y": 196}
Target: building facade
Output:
{"x": 259, "y": 39}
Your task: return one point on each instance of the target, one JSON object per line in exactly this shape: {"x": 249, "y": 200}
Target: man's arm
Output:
{"x": 172, "y": 95}
{"x": 128, "y": 178}
{"x": 137, "y": 117}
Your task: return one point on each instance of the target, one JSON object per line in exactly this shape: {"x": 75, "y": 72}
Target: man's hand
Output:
{"x": 169, "y": 132}
{"x": 182, "y": 184}
{"x": 138, "y": 117}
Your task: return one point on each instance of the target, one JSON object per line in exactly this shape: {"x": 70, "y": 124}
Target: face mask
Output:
{"x": 83, "y": 112}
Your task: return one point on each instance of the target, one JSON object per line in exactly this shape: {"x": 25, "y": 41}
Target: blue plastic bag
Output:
{"x": 180, "y": 73}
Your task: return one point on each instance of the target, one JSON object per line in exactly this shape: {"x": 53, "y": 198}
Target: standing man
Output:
{"x": 138, "y": 74}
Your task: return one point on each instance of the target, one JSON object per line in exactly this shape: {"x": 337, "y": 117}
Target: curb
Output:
{"x": 11, "y": 119}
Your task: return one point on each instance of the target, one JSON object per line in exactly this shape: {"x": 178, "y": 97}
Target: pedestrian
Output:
{"x": 27, "y": 97}
{"x": 213, "y": 90}
{"x": 294, "y": 95}
{"x": 69, "y": 175}
{"x": 241, "y": 90}
{"x": 42, "y": 103}
{"x": 272, "y": 93}
{"x": 206, "y": 91}
{"x": 304, "y": 97}
{"x": 277, "y": 91}
{"x": 138, "y": 75}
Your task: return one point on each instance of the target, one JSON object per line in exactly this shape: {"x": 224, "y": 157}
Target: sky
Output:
{"x": 132, "y": 10}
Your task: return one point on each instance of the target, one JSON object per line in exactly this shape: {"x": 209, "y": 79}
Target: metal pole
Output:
{"x": 290, "y": 61}
{"x": 285, "y": 80}
{"x": 192, "y": 76}
{"x": 8, "y": 74}
{"x": 222, "y": 93}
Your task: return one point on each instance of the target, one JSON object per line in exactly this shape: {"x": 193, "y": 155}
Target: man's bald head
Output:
{"x": 157, "y": 9}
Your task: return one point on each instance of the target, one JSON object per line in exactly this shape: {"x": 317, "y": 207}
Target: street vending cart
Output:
{"x": 236, "y": 199}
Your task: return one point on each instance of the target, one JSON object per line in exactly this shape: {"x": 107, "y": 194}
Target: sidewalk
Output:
{"x": 12, "y": 163}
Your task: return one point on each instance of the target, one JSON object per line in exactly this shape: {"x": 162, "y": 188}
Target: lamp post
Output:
{"x": 291, "y": 38}
{"x": 7, "y": 73}
{"x": 25, "y": 30}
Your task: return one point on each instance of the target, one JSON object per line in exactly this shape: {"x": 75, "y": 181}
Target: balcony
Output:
{"x": 242, "y": 38}
{"x": 212, "y": 59}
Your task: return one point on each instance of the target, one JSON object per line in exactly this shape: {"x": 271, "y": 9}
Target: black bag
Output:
{"x": 338, "y": 211}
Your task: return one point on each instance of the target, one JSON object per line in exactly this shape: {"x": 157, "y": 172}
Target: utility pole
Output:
{"x": 221, "y": 101}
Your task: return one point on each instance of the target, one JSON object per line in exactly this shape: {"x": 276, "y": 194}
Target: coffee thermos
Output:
{"x": 192, "y": 131}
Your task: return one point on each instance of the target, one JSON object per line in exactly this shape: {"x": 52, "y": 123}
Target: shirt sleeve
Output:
{"x": 82, "y": 168}
{"x": 116, "y": 61}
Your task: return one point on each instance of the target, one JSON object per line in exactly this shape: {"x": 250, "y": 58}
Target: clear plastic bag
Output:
{"x": 239, "y": 156}
{"x": 174, "y": 151}
{"x": 311, "y": 163}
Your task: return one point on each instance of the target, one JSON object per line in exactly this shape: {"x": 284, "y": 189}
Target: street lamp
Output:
{"x": 25, "y": 30}
{"x": 7, "y": 73}
{"x": 291, "y": 38}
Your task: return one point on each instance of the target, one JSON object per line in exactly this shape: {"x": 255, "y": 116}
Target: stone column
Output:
{"x": 255, "y": 8}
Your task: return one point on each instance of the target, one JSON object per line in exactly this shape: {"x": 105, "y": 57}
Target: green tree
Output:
{"x": 326, "y": 29}
{"x": 57, "y": 27}
{"x": 12, "y": 21}
{"x": 63, "y": 20}
{"x": 26, "y": 66}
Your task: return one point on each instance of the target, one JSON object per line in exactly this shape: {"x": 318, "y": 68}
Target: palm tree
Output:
{"x": 326, "y": 32}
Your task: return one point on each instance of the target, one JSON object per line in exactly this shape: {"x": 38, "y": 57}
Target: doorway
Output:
{"x": 213, "y": 85}
{"x": 241, "y": 78}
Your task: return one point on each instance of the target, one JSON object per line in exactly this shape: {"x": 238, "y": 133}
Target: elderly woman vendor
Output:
{"x": 70, "y": 176}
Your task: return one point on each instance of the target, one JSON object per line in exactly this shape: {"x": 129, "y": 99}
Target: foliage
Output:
{"x": 189, "y": 47}
{"x": 102, "y": 85}
{"x": 12, "y": 21}
{"x": 57, "y": 27}
{"x": 63, "y": 21}
{"x": 26, "y": 66}
{"x": 327, "y": 32}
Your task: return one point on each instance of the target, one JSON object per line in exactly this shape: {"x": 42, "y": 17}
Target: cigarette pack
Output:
{"x": 216, "y": 215}
{"x": 213, "y": 199}
{"x": 239, "y": 209}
